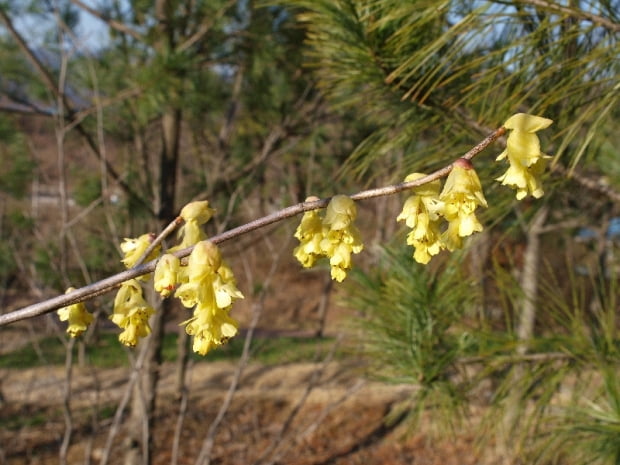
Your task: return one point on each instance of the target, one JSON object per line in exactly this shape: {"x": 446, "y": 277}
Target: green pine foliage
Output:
{"x": 428, "y": 79}
{"x": 436, "y": 75}
{"x": 413, "y": 329}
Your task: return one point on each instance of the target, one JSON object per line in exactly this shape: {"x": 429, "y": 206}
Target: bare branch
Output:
{"x": 117, "y": 25}
{"x": 582, "y": 14}
{"x": 71, "y": 115}
{"x": 205, "y": 27}
{"x": 596, "y": 184}
{"x": 107, "y": 284}
{"x": 49, "y": 81}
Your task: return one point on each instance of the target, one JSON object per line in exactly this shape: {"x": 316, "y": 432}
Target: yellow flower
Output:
{"x": 527, "y": 162}
{"x": 136, "y": 326}
{"x": 225, "y": 287}
{"x": 310, "y": 233}
{"x": 131, "y": 313}
{"x": 461, "y": 195}
{"x": 190, "y": 293}
{"x": 166, "y": 275}
{"x": 134, "y": 248}
{"x": 334, "y": 236}
{"x": 195, "y": 214}
{"x": 422, "y": 213}
{"x": 342, "y": 238}
{"x": 198, "y": 212}
{"x": 204, "y": 260}
{"x": 210, "y": 329}
{"x": 525, "y": 179}
{"x": 78, "y": 317}
{"x": 341, "y": 212}
{"x": 212, "y": 288}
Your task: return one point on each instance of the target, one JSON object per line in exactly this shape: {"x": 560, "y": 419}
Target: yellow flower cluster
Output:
{"x": 131, "y": 313}
{"x": 208, "y": 285}
{"x": 527, "y": 162}
{"x": 422, "y": 213}
{"x": 205, "y": 283}
{"x": 462, "y": 192}
{"x": 424, "y": 210}
{"x": 334, "y": 236}
{"x": 76, "y": 315}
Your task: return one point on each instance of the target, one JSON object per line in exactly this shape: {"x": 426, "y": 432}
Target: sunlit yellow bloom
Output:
{"x": 166, "y": 275}
{"x": 190, "y": 293}
{"x": 526, "y": 180}
{"x": 134, "y": 248}
{"x": 461, "y": 195}
{"x": 204, "y": 260}
{"x": 210, "y": 329}
{"x": 342, "y": 238}
{"x": 225, "y": 287}
{"x": 195, "y": 214}
{"x": 334, "y": 236}
{"x": 309, "y": 233}
{"x": 212, "y": 288}
{"x": 131, "y": 313}
{"x": 341, "y": 212}
{"x": 200, "y": 271}
{"x": 527, "y": 162}
{"x": 78, "y": 317}
{"x": 198, "y": 212}
{"x": 422, "y": 213}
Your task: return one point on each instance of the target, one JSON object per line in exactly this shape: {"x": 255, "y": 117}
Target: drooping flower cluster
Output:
{"x": 131, "y": 313}
{"x": 439, "y": 219}
{"x": 527, "y": 162}
{"x": 333, "y": 236}
{"x": 77, "y": 316}
{"x": 424, "y": 211}
{"x": 461, "y": 195}
{"x": 208, "y": 285}
{"x": 205, "y": 283}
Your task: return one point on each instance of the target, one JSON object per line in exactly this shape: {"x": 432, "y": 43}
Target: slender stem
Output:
{"x": 159, "y": 239}
{"x": 107, "y": 284}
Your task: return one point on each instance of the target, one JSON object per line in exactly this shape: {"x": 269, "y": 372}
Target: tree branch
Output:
{"x": 71, "y": 116}
{"x": 112, "y": 23}
{"x": 581, "y": 14}
{"x": 106, "y": 285}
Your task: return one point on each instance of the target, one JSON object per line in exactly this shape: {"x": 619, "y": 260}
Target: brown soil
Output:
{"x": 341, "y": 421}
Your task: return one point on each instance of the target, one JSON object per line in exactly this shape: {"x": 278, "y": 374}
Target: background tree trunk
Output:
{"x": 510, "y": 443}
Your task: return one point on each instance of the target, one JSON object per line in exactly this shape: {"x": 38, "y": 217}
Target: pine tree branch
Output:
{"x": 107, "y": 284}
{"x": 592, "y": 183}
{"x": 580, "y": 14}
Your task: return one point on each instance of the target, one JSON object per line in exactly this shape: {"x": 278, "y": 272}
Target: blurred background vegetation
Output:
{"x": 115, "y": 113}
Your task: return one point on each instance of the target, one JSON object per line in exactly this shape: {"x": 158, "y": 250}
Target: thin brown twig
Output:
{"x": 66, "y": 403}
{"x": 112, "y": 23}
{"x": 576, "y": 13}
{"x": 107, "y": 284}
{"x": 159, "y": 239}
{"x": 118, "y": 415}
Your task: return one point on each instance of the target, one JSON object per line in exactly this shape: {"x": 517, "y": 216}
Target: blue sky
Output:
{"x": 91, "y": 30}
